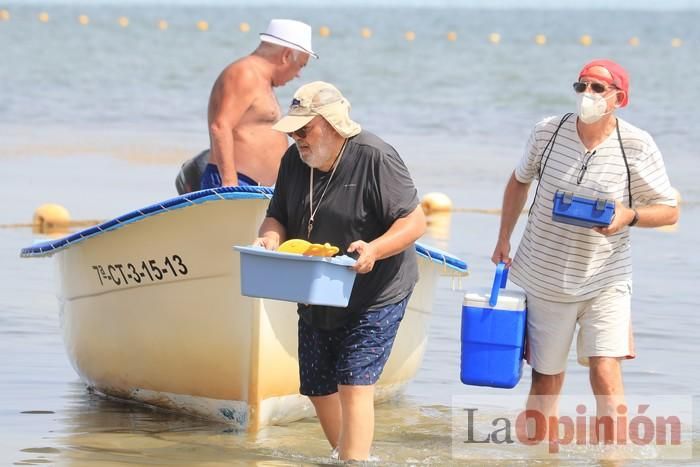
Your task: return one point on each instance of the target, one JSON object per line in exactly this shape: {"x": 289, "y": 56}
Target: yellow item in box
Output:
{"x": 303, "y": 247}
{"x": 294, "y": 245}
{"x": 316, "y": 249}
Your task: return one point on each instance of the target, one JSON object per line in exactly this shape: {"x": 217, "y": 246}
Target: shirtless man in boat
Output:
{"x": 243, "y": 107}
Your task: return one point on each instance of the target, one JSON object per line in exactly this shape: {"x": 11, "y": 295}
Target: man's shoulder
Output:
{"x": 291, "y": 155}
{"x": 370, "y": 143}
{"x": 551, "y": 122}
{"x": 242, "y": 73}
{"x": 627, "y": 129}
{"x": 634, "y": 137}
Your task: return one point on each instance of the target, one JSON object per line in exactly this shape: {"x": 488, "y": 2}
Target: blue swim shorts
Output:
{"x": 211, "y": 178}
{"x": 354, "y": 354}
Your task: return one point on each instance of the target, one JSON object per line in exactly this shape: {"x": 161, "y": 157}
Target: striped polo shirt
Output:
{"x": 566, "y": 263}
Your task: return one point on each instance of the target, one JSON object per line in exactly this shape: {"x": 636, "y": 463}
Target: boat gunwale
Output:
{"x": 50, "y": 247}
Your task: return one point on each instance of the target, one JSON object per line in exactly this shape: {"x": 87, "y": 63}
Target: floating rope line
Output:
{"x": 494, "y": 38}
{"x": 70, "y": 224}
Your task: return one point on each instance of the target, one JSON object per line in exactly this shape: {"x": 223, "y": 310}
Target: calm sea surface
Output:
{"x": 98, "y": 117}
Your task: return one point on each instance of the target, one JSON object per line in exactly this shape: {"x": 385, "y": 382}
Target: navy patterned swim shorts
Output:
{"x": 354, "y": 354}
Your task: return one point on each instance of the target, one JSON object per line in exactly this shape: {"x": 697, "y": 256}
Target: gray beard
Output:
{"x": 313, "y": 160}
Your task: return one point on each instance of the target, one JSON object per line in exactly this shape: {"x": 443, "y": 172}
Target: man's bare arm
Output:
{"x": 655, "y": 215}
{"x": 400, "y": 235}
{"x": 514, "y": 199}
{"x": 270, "y": 234}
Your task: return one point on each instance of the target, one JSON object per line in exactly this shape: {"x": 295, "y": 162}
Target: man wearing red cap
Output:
{"x": 582, "y": 275}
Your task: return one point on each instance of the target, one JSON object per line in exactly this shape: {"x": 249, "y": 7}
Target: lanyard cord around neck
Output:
{"x": 550, "y": 146}
{"x": 627, "y": 166}
{"x": 312, "y": 211}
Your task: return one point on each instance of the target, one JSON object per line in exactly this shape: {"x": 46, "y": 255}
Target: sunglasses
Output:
{"x": 598, "y": 88}
{"x": 301, "y": 132}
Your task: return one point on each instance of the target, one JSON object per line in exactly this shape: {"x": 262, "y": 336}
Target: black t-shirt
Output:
{"x": 370, "y": 190}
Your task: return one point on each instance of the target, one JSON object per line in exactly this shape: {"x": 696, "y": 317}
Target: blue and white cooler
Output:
{"x": 493, "y": 335}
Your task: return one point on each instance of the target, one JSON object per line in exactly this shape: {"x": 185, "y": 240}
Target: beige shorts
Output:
{"x": 605, "y": 329}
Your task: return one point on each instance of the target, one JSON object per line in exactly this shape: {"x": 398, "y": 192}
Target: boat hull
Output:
{"x": 153, "y": 312}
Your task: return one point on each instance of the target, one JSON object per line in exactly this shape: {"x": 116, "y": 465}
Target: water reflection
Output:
{"x": 439, "y": 229}
{"x": 91, "y": 430}
{"x": 99, "y": 431}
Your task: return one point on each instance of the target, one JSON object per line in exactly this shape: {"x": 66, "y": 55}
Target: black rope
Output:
{"x": 550, "y": 146}
{"x": 627, "y": 166}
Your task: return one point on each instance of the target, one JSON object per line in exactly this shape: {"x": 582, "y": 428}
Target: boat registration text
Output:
{"x": 147, "y": 270}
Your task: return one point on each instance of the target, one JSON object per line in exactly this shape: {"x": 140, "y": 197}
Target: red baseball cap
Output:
{"x": 620, "y": 79}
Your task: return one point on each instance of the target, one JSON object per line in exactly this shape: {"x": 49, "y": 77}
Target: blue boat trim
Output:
{"x": 441, "y": 257}
{"x": 199, "y": 197}
{"x": 189, "y": 199}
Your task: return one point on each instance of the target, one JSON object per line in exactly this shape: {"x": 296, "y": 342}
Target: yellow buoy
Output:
{"x": 83, "y": 19}
{"x": 162, "y": 25}
{"x": 676, "y": 42}
{"x": 324, "y": 31}
{"x": 410, "y": 36}
{"x": 438, "y": 227}
{"x": 585, "y": 40}
{"x": 202, "y": 25}
{"x": 495, "y": 38}
{"x": 366, "y": 33}
{"x": 540, "y": 39}
{"x": 244, "y": 27}
{"x": 436, "y": 202}
{"x": 123, "y": 21}
{"x": 4, "y": 15}
{"x": 48, "y": 217}
{"x": 451, "y": 36}
{"x": 634, "y": 41}
{"x": 43, "y": 17}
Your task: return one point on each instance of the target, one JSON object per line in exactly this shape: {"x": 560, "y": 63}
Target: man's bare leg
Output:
{"x": 544, "y": 399}
{"x": 606, "y": 381}
{"x": 357, "y": 432}
{"x": 330, "y": 415}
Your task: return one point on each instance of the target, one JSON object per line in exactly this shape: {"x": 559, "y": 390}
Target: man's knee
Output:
{"x": 354, "y": 394}
{"x": 605, "y": 374}
{"x": 546, "y": 384}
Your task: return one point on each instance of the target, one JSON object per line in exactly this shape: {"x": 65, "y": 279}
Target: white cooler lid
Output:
{"x": 511, "y": 300}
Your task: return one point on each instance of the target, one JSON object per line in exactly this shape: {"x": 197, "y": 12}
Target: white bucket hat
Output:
{"x": 289, "y": 33}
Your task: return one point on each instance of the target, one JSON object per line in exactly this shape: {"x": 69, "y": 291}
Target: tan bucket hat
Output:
{"x": 319, "y": 98}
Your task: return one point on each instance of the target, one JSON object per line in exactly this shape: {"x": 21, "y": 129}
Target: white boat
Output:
{"x": 151, "y": 310}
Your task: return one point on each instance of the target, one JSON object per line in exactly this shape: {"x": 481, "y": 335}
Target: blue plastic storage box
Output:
{"x": 493, "y": 335}
{"x": 582, "y": 210}
{"x": 313, "y": 280}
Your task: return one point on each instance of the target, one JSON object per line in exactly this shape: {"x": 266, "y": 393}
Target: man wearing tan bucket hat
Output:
{"x": 244, "y": 150}
{"x": 343, "y": 185}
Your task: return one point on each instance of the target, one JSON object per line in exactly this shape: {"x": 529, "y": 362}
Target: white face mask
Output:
{"x": 591, "y": 107}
